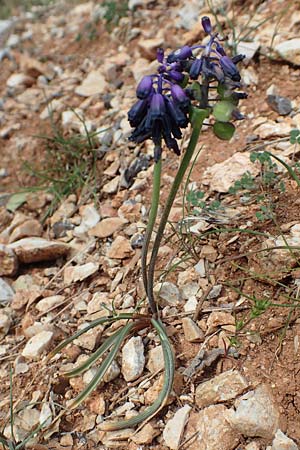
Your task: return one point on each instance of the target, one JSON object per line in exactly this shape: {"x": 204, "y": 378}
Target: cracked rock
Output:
{"x": 174, "y": 428}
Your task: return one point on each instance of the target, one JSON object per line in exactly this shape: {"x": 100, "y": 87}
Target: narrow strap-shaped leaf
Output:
{"x": 93, "y": 324}
{"x": 165, "y": 391}
{"x": 96, "y": 355}
{"x": 103, "y": 367}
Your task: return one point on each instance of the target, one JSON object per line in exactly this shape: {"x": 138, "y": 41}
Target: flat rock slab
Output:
{"x": 35, "y": 249}
{"x": 221, "y": 388}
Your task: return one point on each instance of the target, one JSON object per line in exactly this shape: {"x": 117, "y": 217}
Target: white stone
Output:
{"x": 133, "y": 359}
{"x": 255, "y": 414}
{"x": 90, "y": 218}
{"x": 45, "y": 418}
{"x": 174, "y": 428}
{"x": 282, "y": 442}
{"x": 247, "y": 48}
{"x": 37, "y": 344}
{"x": 112, "y": 186}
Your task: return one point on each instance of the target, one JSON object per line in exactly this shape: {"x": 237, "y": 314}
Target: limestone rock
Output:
{"x": 168, "y": 294}
{"x": 90, "y": 217}
{"x": 112, "y": 186}
{"x": 146, "y": 434}
{"x": 93, "y": 84}
{"x": 8, "y": 261}
{"x": 156, "y": 359}
{"x": 225, "y": 386}
{"x": 282, "y": 442}
{"x": 5, "y": 322}
{"x": 211, "y": 429}
{"x": 79, "y": 273}
{"x": 133, "y": 359}
{"x": 289, "y": 50}
{"x": 49, "y": 302}
{"x": 219, "y": 318}
{"x": 270, "y": 129}
{"x": 221, "y": 176}
{"x": 37, "y": 344}
{"x": 174, "y": 428}
{"x": 6, "y": 292}
{"x": 120, "y": 248}
{"x": 107, "y": 227}
{"x": 29, "y": 228}
{"x": 34, "y": 249}
{"x": 112, "y": 373}
{"x": 192, "y": 332}
{"x": 90, "y": 339}
{"x": 255, "y": 414}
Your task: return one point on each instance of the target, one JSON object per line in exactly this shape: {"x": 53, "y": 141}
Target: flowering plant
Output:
{"x": 192, "y": 84}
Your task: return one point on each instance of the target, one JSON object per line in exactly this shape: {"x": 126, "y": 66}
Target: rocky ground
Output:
{"x": 74, "y": 203}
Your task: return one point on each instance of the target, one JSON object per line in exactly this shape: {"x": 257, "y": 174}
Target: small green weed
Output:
{"x": 69, "y": 166}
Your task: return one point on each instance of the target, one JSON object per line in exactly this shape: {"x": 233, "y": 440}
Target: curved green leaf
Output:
{"x": 164, "y": 393}
{"x": 93, "y": 358}
{"x": 93, "y": 324}
{"x": 224, "y": 130}
{"x": 103, "y": 367}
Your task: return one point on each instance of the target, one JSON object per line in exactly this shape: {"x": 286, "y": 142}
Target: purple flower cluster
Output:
{"x": 162, "y": 108}
{"x": 163, "y": 105}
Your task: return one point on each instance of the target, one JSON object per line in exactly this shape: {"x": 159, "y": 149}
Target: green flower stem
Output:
{"x": 151, "y": 222}
{"x": 197, "y": 125}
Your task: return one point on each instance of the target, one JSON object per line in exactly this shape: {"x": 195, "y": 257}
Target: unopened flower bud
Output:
{"x": 206, "y": 24}
{"x": 144, "y": 87}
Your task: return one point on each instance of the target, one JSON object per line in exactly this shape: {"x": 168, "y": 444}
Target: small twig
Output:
{"x": 201, "y": 301}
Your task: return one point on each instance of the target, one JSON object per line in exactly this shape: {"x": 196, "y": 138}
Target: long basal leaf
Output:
{"x": 93, "y": 358}
{"x": 93, "y": 324}
{"x": 165, "y": 391}
{"x": 103, "y": 367}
